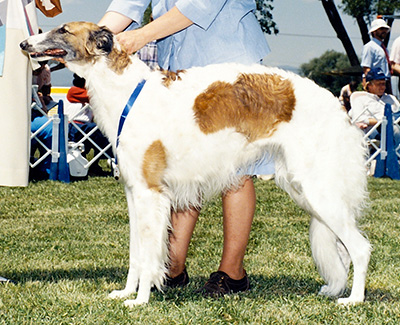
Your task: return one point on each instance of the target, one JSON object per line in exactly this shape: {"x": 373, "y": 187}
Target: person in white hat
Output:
{"x": 375, "y": 54}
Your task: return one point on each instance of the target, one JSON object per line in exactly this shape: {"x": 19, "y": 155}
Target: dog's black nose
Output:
{"x": 23, "y": 45}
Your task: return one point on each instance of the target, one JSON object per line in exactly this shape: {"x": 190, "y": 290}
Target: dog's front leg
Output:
{"x": 133, "y": 273}
{"x": 153, "y": 214}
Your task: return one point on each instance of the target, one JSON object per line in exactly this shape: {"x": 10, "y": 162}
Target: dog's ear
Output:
{"x": 101, "y": 40}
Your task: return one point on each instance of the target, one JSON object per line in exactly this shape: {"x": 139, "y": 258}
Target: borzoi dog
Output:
{"x": 188, "y": 134}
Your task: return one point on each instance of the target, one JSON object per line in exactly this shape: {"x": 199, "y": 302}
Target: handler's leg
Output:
{"x": 183, "y": 224}
{"x": 239, "y": 207}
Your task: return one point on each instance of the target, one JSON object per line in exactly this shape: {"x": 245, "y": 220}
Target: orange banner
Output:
{"x": 50, "y": 8}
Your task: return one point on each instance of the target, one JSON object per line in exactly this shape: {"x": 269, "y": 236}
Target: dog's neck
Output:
{"x": 109, "y": 88}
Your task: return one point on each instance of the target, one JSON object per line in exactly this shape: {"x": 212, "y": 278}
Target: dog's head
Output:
{"x": 75, "y": 41}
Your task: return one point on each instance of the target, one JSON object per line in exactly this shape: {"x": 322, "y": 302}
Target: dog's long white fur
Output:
{"x": 319, "y": 160}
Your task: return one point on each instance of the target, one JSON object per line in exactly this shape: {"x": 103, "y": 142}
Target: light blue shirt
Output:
{"x": 373, "y": 56}
{"x": 223, "y": 31}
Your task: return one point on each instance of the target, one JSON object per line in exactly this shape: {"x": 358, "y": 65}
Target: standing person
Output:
{"x": 395, "y": 65}
{"x": 375, "y": 54}
{"x": 197, "y": 34}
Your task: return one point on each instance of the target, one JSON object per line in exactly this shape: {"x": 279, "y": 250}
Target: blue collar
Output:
{"x": 128, "y": 107}
{"x": 125, "y": 113}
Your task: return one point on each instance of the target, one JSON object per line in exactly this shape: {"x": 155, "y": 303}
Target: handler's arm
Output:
{"x": 171, "y": 22}
{"x": 115, "y": 21}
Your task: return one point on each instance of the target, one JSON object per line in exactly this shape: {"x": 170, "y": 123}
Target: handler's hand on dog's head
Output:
{"x": 131, "y": 41}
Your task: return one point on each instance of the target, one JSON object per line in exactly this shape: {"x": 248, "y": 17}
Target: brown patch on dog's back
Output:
{"x": 154, "y": 164}
{"x": 170, "y": 77}
{"x": 254, "y": 105}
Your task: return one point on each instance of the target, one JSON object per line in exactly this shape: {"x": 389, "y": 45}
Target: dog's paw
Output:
{"x": 119, "y": 294}
{"x": 134, "y": 302}
{"x": 323, "y": 291}
{"x": 350, "y": 301}
{"x": 326, "y": 291}
{"x": 330, "y": 291}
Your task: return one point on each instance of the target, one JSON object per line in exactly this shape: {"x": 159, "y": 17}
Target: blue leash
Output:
{"x": 123, "y": 117}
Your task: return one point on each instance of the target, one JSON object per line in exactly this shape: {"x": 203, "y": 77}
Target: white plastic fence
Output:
{"x": 73, "y": 158}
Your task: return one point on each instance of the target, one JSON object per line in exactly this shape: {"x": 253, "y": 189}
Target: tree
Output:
{"x": 320, "y": 70}
{"x": 366, "y": 10}
{"x": 337, "y": 24}
{"x": 264, "y": 16}
{"x": 363, "y": 11}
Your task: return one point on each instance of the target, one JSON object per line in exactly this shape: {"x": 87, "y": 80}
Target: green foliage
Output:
{"x": 318, "y": 69}
{"x": 66, "y": 246}
{"x": 147, "y": 15}
{"x": 264, "y": 16}
{"x": 370, "y": 8}
{"x": 358, "y": 7}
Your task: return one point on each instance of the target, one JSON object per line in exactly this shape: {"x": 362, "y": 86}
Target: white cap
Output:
{"x": 378, "y": 23}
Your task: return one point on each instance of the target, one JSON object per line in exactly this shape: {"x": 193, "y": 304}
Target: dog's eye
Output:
{"x": 62, "y": 30}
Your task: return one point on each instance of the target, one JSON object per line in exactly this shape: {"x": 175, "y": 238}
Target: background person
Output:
{"x": 369, "y": 108}
{"x": 345, "y": 94}
{"x": 77, "y": 98}
{"x": 375, "y": 54}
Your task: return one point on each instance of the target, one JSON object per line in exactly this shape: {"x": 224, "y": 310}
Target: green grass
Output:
{"x": 66, "y": 246}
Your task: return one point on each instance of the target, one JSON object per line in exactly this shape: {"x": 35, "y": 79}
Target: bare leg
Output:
{"x": 239, "y": 207}
{"x": 238, "y": 211}
{"x": 183, "y": 224}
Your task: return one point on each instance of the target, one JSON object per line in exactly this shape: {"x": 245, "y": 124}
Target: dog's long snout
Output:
{"x": 24, "y": 45}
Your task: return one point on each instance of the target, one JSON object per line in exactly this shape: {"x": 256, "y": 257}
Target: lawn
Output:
{"x": 66, "y": 248}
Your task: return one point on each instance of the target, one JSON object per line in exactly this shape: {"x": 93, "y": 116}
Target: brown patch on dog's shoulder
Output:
{"x": 154, "y": 165}
{"x": 170, "y": 77}
{"x": 118, "y": 60}
{"x": 254, "y": 105}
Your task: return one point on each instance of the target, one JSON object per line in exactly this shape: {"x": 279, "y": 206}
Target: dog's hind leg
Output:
{"x": 333, "y": 234}
{"x": 330, "y": 183}
{"x": 332, "y": 266}
{"x": 359, "y": 250}
{"x": 133, "y": 273}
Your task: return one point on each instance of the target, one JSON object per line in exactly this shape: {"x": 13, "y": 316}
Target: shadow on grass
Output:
{"x": 111, "y": 274}
{"x": 261, "y": 286}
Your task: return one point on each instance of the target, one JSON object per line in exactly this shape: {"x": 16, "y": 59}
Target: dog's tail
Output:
{"x": 330, "y": 256}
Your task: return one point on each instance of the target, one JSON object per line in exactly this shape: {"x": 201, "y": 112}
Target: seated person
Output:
{"x": 42, "y": 171}
{"x": 77, "y": 98}
{"x": 345, "y": 94}
{"x": 42, "y": 75}
{"x": 367, "y": 108}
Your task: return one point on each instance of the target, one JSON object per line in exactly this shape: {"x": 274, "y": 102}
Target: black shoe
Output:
{"x": 180, "y": 280}
{"x": 220, "y": 284}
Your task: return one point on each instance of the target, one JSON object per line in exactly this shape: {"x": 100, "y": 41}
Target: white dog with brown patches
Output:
{"x": 189, "y": 133}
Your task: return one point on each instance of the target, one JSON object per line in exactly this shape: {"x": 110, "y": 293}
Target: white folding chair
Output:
{"x": 379, "y": 147}
{"x": 79, "y": 145}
